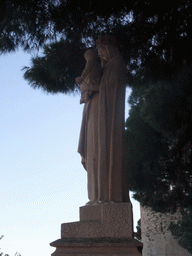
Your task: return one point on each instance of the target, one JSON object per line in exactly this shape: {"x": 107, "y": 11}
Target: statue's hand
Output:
{"x": 78, "y": 79}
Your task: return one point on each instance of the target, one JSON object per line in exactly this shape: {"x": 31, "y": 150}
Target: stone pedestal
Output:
{"x": 103, "y": 229}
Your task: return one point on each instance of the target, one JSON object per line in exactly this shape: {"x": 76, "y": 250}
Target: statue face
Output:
{"x": 103, "y": 53}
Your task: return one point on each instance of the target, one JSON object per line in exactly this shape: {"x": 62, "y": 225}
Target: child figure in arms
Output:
{"x": 90, "y": 77}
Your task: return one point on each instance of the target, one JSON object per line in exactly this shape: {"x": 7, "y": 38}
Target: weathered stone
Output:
{"x": 97, "y": 247}
{"x": 156, "y": 236}
{"x": 110, "y": 220}
{"x": 101, "y": 142}
{"x": 103, "y": 229}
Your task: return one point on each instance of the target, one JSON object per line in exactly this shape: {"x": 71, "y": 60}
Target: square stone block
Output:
{"x": 104, "y": 220}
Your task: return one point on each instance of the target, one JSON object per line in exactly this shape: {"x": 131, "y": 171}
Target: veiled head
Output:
{"x": 107, "y": 48}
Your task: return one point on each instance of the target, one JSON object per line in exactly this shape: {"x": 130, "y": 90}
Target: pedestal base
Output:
{"x": 97, "y": 247}
{"x": 104, "y": 229}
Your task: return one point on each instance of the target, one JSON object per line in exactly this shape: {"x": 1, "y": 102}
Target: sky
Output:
{"x": 42, "y": 181}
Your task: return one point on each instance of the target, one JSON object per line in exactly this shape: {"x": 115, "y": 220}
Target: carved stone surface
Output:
{"x": 101, "y": 142}
{"x": 91, "y": 75}
{"x": 105, "y": 220}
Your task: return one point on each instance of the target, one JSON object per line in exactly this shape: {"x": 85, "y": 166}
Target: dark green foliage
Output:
{"x": 182, "y": 231}
{"x": 159, "y": 142}
{"x": 56, "y": 69}
{"x": 137, "y": 234}
{"x": 144, "y": 147}
{"x": 24, "y": 23}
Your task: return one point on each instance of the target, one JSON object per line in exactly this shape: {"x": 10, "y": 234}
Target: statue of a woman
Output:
{"x": 104, "y": 137}
{"x": 111, "y": 123}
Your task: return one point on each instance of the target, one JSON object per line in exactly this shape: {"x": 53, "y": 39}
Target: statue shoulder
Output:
{"x": 118, "y": 62}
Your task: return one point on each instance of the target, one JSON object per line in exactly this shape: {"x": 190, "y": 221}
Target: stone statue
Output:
{"x": 89, "y": 85}
{"x": 106, "y": 221}
{"x": 102, "y": 132}
{"x": 91, "y": 75}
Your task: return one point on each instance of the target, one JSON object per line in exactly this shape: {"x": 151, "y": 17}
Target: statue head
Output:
{"x": 91, "y": 54}
{"x": 107, "y": 48}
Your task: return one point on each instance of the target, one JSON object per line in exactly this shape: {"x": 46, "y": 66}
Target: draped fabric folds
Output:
{"x": 102, "y": 135}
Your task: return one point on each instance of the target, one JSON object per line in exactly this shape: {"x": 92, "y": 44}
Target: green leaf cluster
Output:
{"x": 56, "y": 69}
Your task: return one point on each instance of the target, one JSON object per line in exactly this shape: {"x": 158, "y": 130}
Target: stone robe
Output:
{"x": 88, "y": 144}
{"x": 111, "y": 127}
{"x": 102, "y": 135}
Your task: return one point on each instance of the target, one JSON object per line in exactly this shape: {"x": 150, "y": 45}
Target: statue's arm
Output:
{"x": 85, "y": 73}
{"x": 87, "y": 69}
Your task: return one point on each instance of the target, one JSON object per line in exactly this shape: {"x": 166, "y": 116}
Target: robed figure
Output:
{"x": 101, "y": 143}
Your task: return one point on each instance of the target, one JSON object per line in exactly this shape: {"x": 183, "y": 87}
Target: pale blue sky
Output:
{"x": 42, "y": 181}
